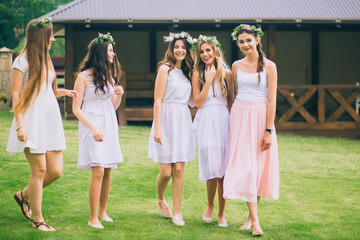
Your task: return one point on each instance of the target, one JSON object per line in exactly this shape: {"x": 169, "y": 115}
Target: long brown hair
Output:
{"x": 260, "y": 65}
{"x": 220, "y": 66}
{"x": 186, "y": 65}
{"x": 104, "y": 72}
{"x": 37, "y": 52}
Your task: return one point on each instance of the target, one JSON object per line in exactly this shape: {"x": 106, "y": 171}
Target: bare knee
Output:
{"x": 178, "y": 171}
{"x": 97, "y": 173}
{"x": 165, "y": 174}
{"x": 55, "y": 174}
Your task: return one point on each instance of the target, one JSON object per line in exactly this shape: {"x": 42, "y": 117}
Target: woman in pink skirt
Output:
{"x": 253, "y": 168}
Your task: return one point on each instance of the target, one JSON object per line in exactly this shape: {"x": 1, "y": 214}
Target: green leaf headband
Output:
{"x": 103, "y": 37}
{"x": 184, "y": 35}
{"x": 208, "y": 39}
{"x": 257, "y": 30}
{"x": 41, "y": 23}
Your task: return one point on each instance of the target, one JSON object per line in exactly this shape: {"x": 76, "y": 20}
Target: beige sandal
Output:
{"x": 256, "y": 230}
{"x": 164, "y": 209}
{"x": 43, "y": 226}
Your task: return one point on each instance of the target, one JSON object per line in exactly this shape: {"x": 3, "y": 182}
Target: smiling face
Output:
{"x": 179, "y": 50}
{"x": 247, "y": 43}
{"x": 207, "y": 54}
{"x": 110, "y": 53}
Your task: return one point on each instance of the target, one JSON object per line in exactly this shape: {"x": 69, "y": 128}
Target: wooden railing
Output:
{"x": 315, "y": 107}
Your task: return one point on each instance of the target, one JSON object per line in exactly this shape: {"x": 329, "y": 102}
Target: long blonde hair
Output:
{"x": 37, "y": 53}
{"x": 220, "y": 66}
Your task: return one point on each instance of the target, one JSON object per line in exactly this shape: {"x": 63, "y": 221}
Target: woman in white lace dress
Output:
{"x": 172, "y": 141}
{"x": 37, "y": 128}
{"x": 99, "y": 97}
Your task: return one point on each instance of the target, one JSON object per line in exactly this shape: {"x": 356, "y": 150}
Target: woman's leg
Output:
{"x": 222, "y": 201}
{"x": 94, "y": 192}
{"x": 211, "y": 186}
{"x": 105, "y": 189}
{"x": 177, "y": 185}
{"x": 34, "y": 190}
{"x": 162, "y": 179}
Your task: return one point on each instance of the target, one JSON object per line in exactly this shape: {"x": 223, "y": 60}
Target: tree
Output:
{"x": 15, "y": 15}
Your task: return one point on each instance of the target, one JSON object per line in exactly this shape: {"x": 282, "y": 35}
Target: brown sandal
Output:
{"x": 21, "y": 203}
{"x": 42, "y": 226}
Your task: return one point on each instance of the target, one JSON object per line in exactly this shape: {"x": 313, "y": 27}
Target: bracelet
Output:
{"x": 21, "y": 125}
{"x": 268, "y": 130}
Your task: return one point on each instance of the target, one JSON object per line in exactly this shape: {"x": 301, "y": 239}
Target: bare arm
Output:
{"x": 17, "y": 81}
{"x": 234, "y": 70}
{"x": 80, "y": 86}
{"x": 230, "y": 85}
{"x": 66, "y": 92}
{"x": 271, "y": 106}
{"x": 160, "y": 86}
{"x": 117, "y": 96}
{"x": 201, "y": 95}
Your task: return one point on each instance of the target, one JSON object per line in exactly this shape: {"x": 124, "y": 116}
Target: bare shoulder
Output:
{"x": 271, "y": 65}
{"x": 164, "y": 68}
{"x": 235, "y": 64}
{"x": 82, "y": 79}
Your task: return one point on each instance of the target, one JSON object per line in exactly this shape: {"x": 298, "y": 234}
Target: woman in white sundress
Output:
{"x": 213, "y": 94}
{"x": 172, "y": 141}
{"x": 99, "y": 97}
{"x": 37, "y": 128}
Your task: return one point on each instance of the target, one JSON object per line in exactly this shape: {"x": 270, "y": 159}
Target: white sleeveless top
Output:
{"x": 249, "y": 88}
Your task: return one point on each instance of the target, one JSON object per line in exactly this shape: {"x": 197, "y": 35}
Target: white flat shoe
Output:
{"x": 223, "y": 223}
{"x": 107, "y": 218}
{"x": 178, "y": 219}
{"x": 98, "y": 225}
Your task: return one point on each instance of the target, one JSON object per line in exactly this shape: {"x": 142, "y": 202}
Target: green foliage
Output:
{"x": 319, "y": 194}
{"x": 16, "y": 14}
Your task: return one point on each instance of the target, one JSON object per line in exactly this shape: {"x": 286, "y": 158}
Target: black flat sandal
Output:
{"x": 21, "y": 203}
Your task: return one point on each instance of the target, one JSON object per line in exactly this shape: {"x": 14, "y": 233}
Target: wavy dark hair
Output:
{"x": 104, "y": 72}
{"x": 186, "y": 65}
{"x": 260, "y": 66}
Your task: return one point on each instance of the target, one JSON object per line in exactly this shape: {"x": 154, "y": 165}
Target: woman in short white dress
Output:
{"x": 213, "y": 94}
{"x": 99, "y": 97}
{"x": 172, "y": 141}
{"x": 37, "y": 128}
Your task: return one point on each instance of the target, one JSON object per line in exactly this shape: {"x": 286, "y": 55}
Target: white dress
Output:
{"x": 100, "y": 111}
{"x": 42, "y": 120}
{"x": 211, "y": 126}
{"x": 178, "y": 140}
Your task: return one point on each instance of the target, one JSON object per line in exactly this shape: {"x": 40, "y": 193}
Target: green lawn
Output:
{"x": 319, "y": 194}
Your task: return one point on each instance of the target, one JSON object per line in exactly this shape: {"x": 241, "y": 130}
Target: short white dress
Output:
{"x": 178, "y": 140}
{"x": 42, "y": 120}
{"x": 211, "y": 126}
{"x": 100, "y": 111}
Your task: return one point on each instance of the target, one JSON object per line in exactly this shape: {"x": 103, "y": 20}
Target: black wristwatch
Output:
{"x": 268, "y": 130}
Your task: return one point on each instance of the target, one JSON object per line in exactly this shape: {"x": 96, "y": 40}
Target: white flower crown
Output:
{"x": 184, "y": 35}
{"x": 204, "y": 38}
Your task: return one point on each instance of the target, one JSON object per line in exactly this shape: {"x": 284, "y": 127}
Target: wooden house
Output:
{"x": 315, "y": 44}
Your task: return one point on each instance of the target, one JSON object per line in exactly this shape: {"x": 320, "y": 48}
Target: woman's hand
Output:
{"x": 97, "y": 134}
{"x": 72, "y": 93}
{"x": 210, "y": 74}
{"x": 157, "y": 136}
{"x": 266, "y": 141}
{"x": 118, "y": 90}
{"x": 21, "y": 134}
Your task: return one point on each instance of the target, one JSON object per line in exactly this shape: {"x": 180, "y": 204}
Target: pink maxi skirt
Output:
{"x": 250, "y": 172}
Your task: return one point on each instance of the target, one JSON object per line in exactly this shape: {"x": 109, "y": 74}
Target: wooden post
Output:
{"x": 121, "y": 113}
{"x": 69, "y": 68}
{"x": 272, "y": 42}
{"x": 315, "y": 57}
{"x": 152, "y": 54}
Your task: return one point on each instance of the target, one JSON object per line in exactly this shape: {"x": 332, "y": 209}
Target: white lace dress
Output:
{"x": 42, "y": 120}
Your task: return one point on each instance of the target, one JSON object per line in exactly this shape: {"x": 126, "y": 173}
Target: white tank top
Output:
{"x": 249, "y": 88}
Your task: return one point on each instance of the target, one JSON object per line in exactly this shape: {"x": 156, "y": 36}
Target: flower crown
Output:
{"x": 103, "y": 37}
{"x": 173, "y": 36}
{"x": 204, "y": 38}
{"x": 41, "y": 23}
{"x": 256, "y": 30}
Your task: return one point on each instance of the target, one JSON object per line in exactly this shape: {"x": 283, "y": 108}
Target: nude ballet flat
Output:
{"x": 98, "y": 225}
{"x": 178, "y": 219}
{"x": 107, "y": 218}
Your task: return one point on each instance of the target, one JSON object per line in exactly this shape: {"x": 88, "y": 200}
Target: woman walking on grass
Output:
{"x": 213, "y": 94}
{"x": 37, "y": 128}
{"x": 99, "y": 96}
{"x": 172, "y": 141}
{"x": 253, "y": 169}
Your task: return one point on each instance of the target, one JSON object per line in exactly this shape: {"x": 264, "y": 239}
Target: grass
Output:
{"x": 319, "y": 194}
